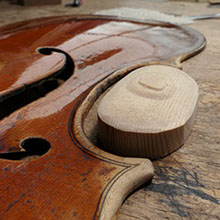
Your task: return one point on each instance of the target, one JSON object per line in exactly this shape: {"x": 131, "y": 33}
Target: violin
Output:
{"x": 52, "y": 71}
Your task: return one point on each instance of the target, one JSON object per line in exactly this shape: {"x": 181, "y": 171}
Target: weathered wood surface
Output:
{"x": 186, "y": 184}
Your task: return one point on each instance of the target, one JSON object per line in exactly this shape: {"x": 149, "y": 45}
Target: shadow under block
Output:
{"x": 149, "y": 113}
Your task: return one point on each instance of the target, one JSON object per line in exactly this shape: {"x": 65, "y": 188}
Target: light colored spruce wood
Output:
{"x": 149, "y": 113}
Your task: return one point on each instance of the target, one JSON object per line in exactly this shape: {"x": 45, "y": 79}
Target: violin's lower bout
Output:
{"x": 75, "y": 180}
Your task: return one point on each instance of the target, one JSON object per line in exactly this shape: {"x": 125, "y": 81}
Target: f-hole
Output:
{"x": 29, "y": 93}
{"x": 34, "y": 147}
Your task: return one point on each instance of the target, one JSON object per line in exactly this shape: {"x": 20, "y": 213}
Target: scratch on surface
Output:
{"x": 13, "y": 203}
{"x": 173, "y": 184}
{"x": 105, "y": 37}
{"x": 195, "y": 176}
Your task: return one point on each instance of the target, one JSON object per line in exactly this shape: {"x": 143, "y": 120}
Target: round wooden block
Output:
{"x": 149, "y": 113}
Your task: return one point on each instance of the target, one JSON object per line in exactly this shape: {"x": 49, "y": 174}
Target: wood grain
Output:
{"x": 186, "y": 183}
{"x": 149, "y": 113}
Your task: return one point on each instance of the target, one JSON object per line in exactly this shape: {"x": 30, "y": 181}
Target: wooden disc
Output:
{"x": 149, "y": 113}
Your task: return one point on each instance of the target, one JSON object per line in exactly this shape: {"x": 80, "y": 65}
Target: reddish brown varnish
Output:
{"x": 73, "y": 178}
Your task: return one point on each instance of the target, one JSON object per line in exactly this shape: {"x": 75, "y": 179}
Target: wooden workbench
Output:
{"x": 187, "y": 183}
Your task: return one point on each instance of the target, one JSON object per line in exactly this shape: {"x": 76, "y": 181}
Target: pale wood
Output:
{"x": 149, "y": 113}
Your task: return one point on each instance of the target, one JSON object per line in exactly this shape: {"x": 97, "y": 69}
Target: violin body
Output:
{"x": 52, "y": 70}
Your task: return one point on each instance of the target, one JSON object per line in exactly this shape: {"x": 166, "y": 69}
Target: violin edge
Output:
{"x": 138, "y": 170}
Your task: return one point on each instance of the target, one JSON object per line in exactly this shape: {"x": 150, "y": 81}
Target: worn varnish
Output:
{"x": 70, "y": 177}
